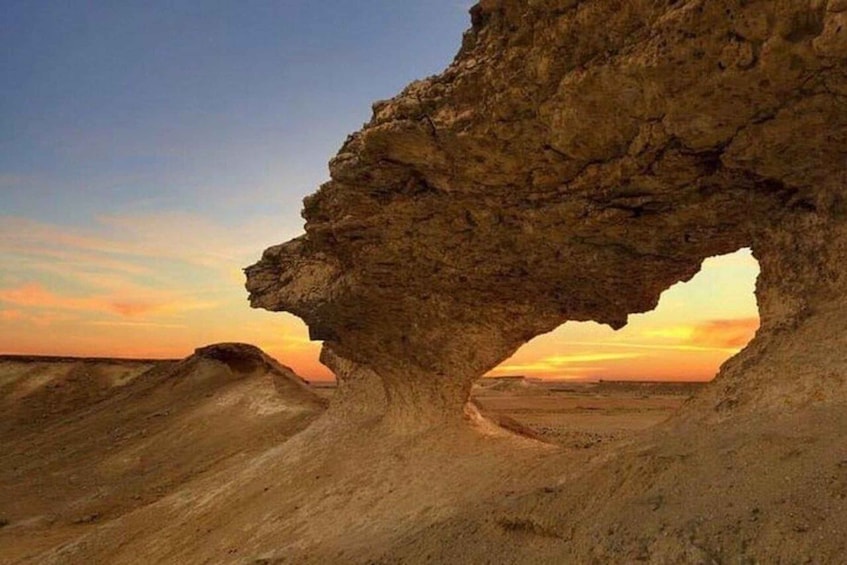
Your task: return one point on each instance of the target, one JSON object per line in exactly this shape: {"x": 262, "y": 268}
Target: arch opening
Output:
{"x": 585, "y": 383}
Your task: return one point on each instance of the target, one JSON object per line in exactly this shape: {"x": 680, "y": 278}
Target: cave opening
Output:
{"x": 584, "y": 382}
{"x": 695, "y": 327}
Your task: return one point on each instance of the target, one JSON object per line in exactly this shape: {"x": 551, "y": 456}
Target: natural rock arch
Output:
{"x": 575, "y": 160}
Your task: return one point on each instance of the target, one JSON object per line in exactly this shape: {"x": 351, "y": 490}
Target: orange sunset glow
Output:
{"x": 695, "y": 328}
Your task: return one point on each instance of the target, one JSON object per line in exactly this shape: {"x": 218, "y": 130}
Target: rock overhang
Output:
{"x": 574, "y": 161}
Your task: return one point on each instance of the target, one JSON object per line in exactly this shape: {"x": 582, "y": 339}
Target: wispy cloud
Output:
{"x": 673, "y": 332}
{"x": 728, "y": 335}
{"x": 166, "y": 235}
{"x": 10, "y": 315}
{"x": 725, "y": 334}
{"x": 34, "y": 295}
{"x": 732, "y": 334}
{"x": 656, "y": 346}
{"x": 133, "y": 324}
{"x": 562, "y": 360}
{"x": 149, "y": 285}
{"x": 573, "y": 363}
{"x": 674, "y": 351}
{"x": 128, "y": 266}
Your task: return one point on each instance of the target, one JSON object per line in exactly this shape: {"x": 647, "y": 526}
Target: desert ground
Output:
{"x": 580, "y": 414}
{"x": 88, "y": 442}
{"x": 85, "y": 441}
{"x": 227, "y": 456}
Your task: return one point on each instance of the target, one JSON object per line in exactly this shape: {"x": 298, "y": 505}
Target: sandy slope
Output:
{"x": 198, "y": 462}
{"x": 768, "y": 489}
{"x": 193, "y": 461}
{"x": 86, "y": 441}
{"x": 771, "y": 490}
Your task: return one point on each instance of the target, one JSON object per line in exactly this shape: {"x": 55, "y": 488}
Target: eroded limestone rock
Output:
{"x": 575, "y": 160}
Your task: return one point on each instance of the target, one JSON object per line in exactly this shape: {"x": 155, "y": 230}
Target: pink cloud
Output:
{"x": 734, "y": 333}
{"x": 34, "y": 295}
{"x": 10, "y": 315}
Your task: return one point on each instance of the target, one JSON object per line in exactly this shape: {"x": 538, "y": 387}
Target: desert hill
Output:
{"x": 194, "y": 460}
{"x": 88, "y": 440}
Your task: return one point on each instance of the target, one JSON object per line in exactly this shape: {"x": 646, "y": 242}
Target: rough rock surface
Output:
{"x": 575, "y": 160}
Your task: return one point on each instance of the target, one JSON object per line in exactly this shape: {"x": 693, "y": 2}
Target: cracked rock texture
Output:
{"x": 574, "y": 161}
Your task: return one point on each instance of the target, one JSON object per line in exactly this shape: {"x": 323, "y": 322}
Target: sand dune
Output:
{"x": 86, "y": 441}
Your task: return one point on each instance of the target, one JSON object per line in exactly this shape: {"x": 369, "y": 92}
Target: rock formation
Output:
{"x": 575, "y": 160}
{"x": 248, "y": 361}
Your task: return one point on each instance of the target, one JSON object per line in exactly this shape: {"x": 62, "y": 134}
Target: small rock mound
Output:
{"x": 508, "y": 386}
{"x": 219, "y": 364}
{"x": 239, "y": 357}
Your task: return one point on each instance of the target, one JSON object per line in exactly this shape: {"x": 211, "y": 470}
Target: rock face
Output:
{"x": 575, "y": 160}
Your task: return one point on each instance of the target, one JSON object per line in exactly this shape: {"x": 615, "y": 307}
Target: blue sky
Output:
{"x": 223, "y": 108}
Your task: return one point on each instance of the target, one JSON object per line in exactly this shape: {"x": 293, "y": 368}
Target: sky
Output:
{"x": 151, "y": 150}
